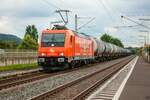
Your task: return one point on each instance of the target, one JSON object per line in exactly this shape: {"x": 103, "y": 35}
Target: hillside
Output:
{"x": 9, "y": 37}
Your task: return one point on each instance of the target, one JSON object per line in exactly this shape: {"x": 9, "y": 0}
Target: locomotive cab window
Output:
{"x": 53, "y": 40}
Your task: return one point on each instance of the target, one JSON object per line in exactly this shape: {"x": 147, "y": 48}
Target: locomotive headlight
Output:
{"x": 41, "y": 59}
{"x": 43, "y": 54}
{"x": 61, "y": 54}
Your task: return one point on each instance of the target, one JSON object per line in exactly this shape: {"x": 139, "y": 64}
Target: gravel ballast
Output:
{"x": 27, "y": 91}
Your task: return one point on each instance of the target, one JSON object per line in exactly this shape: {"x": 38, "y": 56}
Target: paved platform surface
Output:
{"x": 138, "y": 84}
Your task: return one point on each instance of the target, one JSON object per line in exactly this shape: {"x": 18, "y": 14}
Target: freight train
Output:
{"x": 64, "y": 48}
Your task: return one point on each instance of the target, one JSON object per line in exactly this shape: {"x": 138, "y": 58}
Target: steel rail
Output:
{"x": 69, "y": 84}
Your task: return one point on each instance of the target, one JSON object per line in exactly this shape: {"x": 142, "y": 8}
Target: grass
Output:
{"x": 18, "y": 67}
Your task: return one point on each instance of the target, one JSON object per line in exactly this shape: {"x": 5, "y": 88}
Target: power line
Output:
{"x": 107, "y": 11}
{"x": 129, "y": 26}
{"x": 66, "y": 4}
{"x": 83, "y": 25}
{"x": 136, "y": 22}
{"x": 60, "y": 13}
{"x": 114, "y": 10}
{"x": 86, "y": 23}
{"x": 50, "y": 4}
{"x": 66, "y": 12}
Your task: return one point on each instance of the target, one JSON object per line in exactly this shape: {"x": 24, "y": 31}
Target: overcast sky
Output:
{"x": 15, "y": 15}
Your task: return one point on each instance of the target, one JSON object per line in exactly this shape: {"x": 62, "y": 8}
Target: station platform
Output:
{"x": 138, "y": 84}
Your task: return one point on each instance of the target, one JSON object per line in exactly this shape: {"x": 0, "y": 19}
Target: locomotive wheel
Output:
{"x": 72, "y": 64}
{"x": 67, "y": 65}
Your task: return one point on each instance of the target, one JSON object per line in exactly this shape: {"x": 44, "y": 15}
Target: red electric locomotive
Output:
{"x": 63, "y": 48}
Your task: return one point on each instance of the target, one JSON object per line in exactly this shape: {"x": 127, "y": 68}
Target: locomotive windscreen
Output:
{"x": 53, "y": 40}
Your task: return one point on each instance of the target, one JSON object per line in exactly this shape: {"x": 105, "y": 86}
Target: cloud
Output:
{"x": 17, "y": 27}
{"x": 24, "y": 8}
{"x": 110, "y": 30}
{"x": 15, "y": 15}
{"x": 6, "y": 25}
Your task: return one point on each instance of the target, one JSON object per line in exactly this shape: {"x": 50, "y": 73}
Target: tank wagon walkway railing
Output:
{"x": 10, "y": 57}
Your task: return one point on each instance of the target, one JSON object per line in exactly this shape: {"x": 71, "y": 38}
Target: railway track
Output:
{"x": 11, "y": 81}
{"x": 79, "y": 88}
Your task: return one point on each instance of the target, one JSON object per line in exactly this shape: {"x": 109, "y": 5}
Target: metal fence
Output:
{"x": 9, "y": 57}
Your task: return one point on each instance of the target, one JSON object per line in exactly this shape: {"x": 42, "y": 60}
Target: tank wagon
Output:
{"x": 63, "y": 48}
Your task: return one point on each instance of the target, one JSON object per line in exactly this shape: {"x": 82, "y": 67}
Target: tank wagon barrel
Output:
{"x": 107, "y": 50}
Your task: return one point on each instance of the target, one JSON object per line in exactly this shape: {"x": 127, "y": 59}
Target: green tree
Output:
{"x": 28, "y": 43}
{"x": 30, "y": 38}
{"x": 106, "y": 38}
{"x": 117, "y": 42}
{"x": 110, "y": 39}
{"x": 32, "y": 31}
